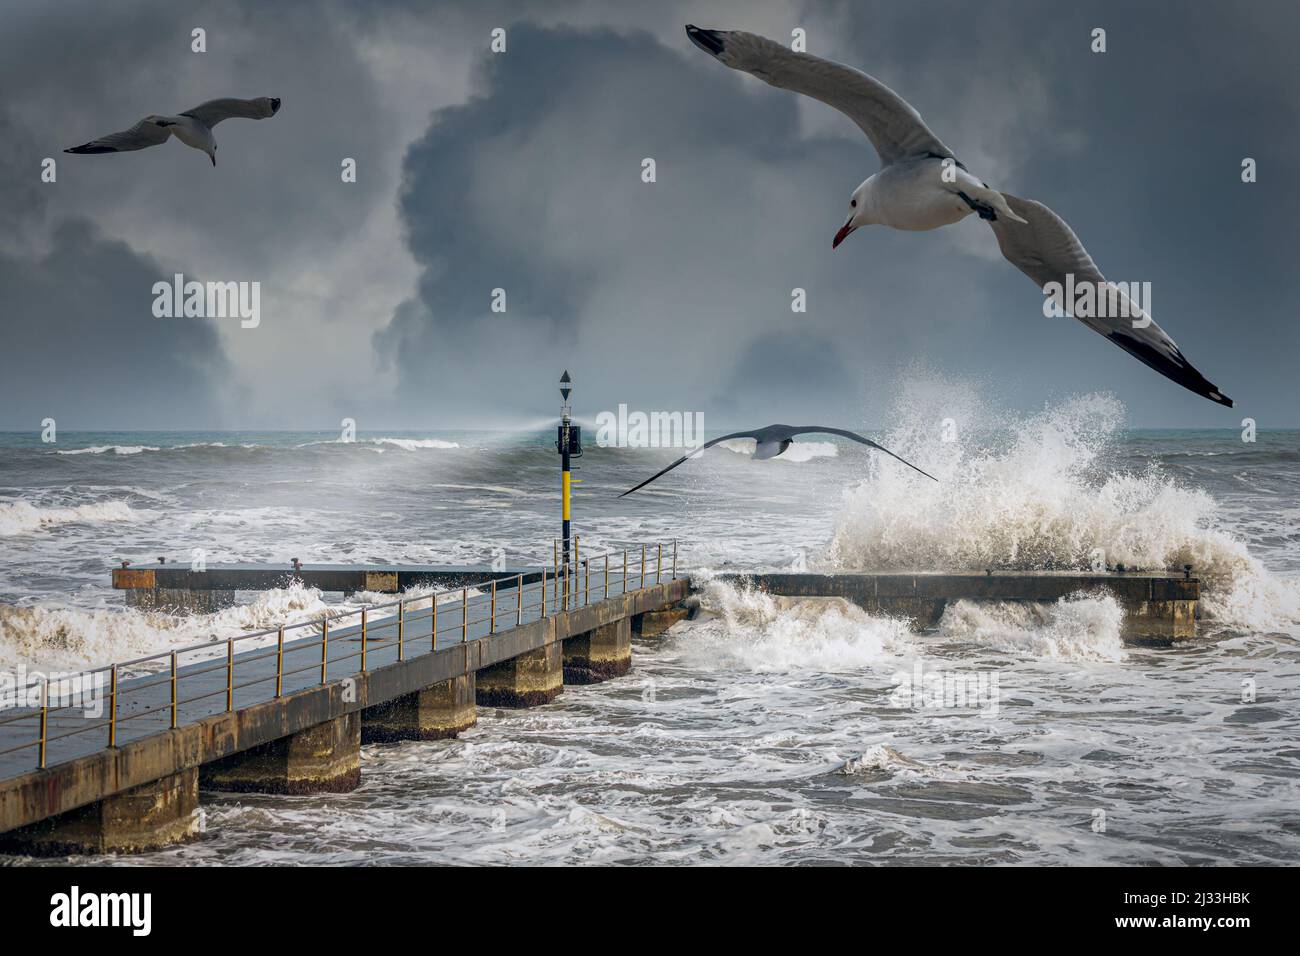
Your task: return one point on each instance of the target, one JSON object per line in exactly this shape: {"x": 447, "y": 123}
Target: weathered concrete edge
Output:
{"x": 41, "y": 794}
{"x": 971, "y": 586}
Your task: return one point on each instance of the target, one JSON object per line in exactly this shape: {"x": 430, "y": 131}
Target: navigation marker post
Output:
{"x": 569, "y": 444}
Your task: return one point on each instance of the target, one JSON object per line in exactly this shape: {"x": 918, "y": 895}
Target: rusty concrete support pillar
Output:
{"x": 1159, "y": 623}
{"x": 435, "y": 713}
{"x": 179, "y": 599}
{"x": 600, "y": 654}
{"x": 653, "y": 623}
{"x": 321, "y": 759}
{"x": 535, "y": 677}
{"x": 147, "y": 817}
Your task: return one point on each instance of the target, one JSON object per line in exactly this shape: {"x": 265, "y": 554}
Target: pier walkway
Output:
{"x": 113, "y": 761}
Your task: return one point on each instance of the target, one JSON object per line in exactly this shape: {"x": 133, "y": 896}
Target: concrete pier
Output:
{"x": 1159, "y": 609}
{"x": 286, "y": 713}
{"x": 325, "y": 758}
{"x": 532, "y": 678}
{"x": 599, "y": 654}
{"x": 435, "y": 713}
{"x": 149, "y": 817}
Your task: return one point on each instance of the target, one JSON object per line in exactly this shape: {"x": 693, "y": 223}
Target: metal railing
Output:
{"x": 413, "y": 625}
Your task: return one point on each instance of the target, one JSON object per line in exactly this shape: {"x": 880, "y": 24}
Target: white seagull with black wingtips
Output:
{"x": 193, "y": 127}
{"x": 912, "y": 191}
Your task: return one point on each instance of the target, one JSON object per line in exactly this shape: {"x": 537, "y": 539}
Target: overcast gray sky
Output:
{"x": 522, "y": 171}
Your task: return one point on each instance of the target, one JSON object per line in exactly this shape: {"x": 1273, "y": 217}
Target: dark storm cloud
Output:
{"x": 1139, "y": 148}
{"x": 82, "y": 346}
{"x": 672, "y": 295}
{"x": 648, "y": 292}
{"x": 81, "y": 342}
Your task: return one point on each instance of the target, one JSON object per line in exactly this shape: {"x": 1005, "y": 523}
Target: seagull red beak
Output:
{"x": 843, "y": 234}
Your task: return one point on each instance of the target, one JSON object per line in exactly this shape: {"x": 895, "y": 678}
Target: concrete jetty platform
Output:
{"x": 182, "y": 587}
{"x": 1158, "y": 608}
{"x": 286, "y": 711}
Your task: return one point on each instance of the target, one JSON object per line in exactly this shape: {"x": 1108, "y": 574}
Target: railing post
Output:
{"x": 363, "y": 640}
{"x": 45, "y": 711}
{"x": 519, "y": 602}
{"x": 492, "y": 615}
{"x": 173, "y": 690}
{"x": 324, "y": 648}
{"x": 464, "y": 615}
{"x": 643, "y": 567}
{"x": 230, "y": 675}
{"x": 674, "y": 559}
{"x": 586, "y": 583}
{"x": 279, "y": 662}
{"x": 543, "y": 592}
{"x": 433, "y": 603}
{"x": 606, "y": 575}
{"x": 659, "y": 563}
{"x": 565, "y": 606}
{"x": 625, "y": 570}
{"x": 401, "y": 628}
{"x": 112, "y": 707}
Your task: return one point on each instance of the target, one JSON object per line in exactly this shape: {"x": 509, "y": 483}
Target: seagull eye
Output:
{"x": 853, "y": 203}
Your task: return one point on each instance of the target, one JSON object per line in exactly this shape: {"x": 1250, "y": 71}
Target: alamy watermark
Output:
{"x": 946, "y": 689}
{"x": 1086, "y": 299}
{"x": 208, "y": 300}
{"x": 635, "y": 429}
{"x": 34, "y": 689}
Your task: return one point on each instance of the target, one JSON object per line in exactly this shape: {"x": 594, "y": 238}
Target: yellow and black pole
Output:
{"x": 569, "y": 445}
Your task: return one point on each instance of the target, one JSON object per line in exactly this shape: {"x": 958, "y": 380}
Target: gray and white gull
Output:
{"x": 922, "y": 185}
{"x": 773, "y": 440}
{"x": 192, "y": 127}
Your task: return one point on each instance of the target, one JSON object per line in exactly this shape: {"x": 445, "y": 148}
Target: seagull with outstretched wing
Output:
{"x": 922, "y": 185}
{"x": 772, "y": 441}
{"x": 193, "y": 127}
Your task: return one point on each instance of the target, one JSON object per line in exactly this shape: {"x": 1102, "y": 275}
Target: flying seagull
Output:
{"x": 922, "y": 185}
{"x": 193, "y": 127}
{"x": 772, "y": 441}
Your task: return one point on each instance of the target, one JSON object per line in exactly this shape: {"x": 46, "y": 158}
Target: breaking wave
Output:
{"x": 1041, "y": 492}
{"x": 747, "y": 629}
{"x": 19, "y": 517}
{"x": 1080, "y": 627}
{"x": 105, "y": 449}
